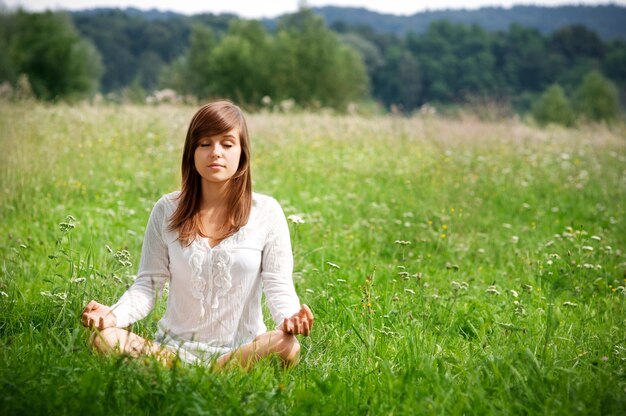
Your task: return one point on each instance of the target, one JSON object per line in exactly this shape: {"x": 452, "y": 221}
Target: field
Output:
{"x": 454, "y": 266}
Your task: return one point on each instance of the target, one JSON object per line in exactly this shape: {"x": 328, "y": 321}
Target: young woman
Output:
{"x": 218, "y": 245}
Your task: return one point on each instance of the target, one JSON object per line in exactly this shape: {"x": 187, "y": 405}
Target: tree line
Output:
{"x": 304, "y": 60}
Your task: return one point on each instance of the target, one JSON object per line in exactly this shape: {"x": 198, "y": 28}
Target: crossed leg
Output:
{"x": 117, "y": 340}
{"x": 286, "y": 346}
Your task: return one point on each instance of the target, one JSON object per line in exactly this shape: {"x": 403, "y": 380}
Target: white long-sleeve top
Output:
{"x": 214, "y": 302}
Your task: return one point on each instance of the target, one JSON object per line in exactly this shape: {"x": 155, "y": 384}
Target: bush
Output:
{"x": 553, "y": 107}
{"x": 597, "y": 98}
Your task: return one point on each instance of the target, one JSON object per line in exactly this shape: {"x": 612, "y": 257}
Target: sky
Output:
{"x": 258, "y": 9}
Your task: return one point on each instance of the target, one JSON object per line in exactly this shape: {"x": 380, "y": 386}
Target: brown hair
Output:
{"x": 213, "y": 119}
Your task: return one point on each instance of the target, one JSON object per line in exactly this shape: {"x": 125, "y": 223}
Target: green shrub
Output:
{"x": 597, "y": 98}
{"x": 553, "y": 107}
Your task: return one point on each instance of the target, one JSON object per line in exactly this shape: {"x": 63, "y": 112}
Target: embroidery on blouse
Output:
{"x": 210, "y": 267}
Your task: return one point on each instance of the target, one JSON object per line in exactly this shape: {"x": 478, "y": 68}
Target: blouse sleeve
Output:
{"x": 277, "y": 267}
{"x": 137, "y": 302}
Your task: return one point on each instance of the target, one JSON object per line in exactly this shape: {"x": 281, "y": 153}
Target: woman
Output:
{"x": 218, "y": 245}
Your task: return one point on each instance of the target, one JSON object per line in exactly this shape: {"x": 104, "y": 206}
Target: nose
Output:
{"x": 216, "y": 152}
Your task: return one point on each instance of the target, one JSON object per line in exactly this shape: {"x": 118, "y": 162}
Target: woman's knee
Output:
{"x": 105, "y": 340}
{"x": 288, "y": 349}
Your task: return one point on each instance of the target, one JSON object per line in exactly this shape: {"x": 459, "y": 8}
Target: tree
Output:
{"x": 58, "y": 62}
{"x": 597, "y": 98}
{"x": 553, "y": 107}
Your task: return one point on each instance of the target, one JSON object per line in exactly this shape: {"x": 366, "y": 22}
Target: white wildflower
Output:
{"x": 514, "y": 239}
{"x": 341, "y": 280}
{"x": 4, "y": 294}
{"x": 459, "y": 285}
{"x": 595, "y": 237}
{"x": 570, "y": 304}
{"x": 333, "y": 265}
{"x": 411, "y": 291}
{"x": 309, "y": 291}
{"x": 402, "y": 242}
{"x": 587, "y": 248}
{"x": 295, "y": 219}
{"x": 506, "y": 225}
{"x": 77, "y": 280}
{"x": 492, "y": 289}
{"x": 513, "y": 293}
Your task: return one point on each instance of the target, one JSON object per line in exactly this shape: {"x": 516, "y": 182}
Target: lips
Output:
{"x": 215, "y": 166}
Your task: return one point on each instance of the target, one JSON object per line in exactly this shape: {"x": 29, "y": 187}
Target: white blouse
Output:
{"x": 214, "y": 302}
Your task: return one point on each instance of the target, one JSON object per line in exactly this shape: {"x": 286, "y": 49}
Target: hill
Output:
{"x": 607, "y": 21}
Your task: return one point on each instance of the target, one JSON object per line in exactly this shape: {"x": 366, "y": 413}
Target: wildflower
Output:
{"x": 309, "y": 291}
{"x": 456, "y": 286}
{"x": 77, "y": 280}
{"x": 605, "y": 358}
{"x": 587, "y": 248}
{"x": 554, "y": 256}
{"x": 481, "y": 251}
{"x": 492, "y": 289}
{"x": 333, "y": 265}
{"x": 513, "y": 293}
{"x": 514, "y": 239}
{"x": 595, "y": 237}
{"x": 527, "y": 288}
{"x": 4, "y": 294}
{"x": 295, "y": 219}
{"x": 442, "y": 236}
{"x": 525, "y": 206}
{"x": 402, "y": 242}
{"x": 341, "y": 280}
{"x": 506, "y": 225}
{"x": 570, "y": 304}
{"x": 411, "y": 291}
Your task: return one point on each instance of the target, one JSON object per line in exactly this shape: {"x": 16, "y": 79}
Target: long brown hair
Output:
{"x": 213, "y": 119}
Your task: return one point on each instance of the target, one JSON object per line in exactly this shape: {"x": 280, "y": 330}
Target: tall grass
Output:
{"x": 454, "y": 266}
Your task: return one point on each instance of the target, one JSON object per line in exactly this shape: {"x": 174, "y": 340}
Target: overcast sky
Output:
{"x": 257, "y": 9}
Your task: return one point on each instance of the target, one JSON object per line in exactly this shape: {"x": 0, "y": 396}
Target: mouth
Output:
{"x": 215, "y": 166}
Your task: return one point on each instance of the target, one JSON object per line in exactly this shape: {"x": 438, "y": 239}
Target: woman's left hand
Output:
{"x": 300, "y": 323}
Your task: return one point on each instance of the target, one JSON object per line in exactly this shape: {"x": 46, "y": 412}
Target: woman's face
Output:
{"x": 217, "y": 157}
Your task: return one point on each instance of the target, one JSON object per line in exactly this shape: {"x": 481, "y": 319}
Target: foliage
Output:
{"x": 454, "y": 267}
{"x": 554, "y": 107}
{"x": 596, "y": 98}
{"x": 47, "y": 48}
{"x": 303, "y": 61}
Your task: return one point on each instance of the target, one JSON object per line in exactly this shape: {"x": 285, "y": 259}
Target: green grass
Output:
{"x": 480, "y": 266}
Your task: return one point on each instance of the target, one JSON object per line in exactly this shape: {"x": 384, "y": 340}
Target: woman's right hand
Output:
{"x": 98, "y": 316}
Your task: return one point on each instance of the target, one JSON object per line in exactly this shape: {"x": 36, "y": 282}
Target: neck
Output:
{"x": 214, "y": 195}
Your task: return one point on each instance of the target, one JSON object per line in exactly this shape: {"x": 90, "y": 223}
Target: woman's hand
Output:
{"x": 98, "y": 316}
{"x": 300, "y": 323}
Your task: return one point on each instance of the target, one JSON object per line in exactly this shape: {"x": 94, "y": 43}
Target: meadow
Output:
{"x": 455, "y": 266}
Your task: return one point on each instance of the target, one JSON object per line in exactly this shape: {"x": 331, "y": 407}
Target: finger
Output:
{"x": 286, "y": 325}
{"x": 298, "y": 325}
{"x": 92, "y": 305}
{"x": 307, "y": 312}
{"x": 306, "y": 329}
{"x": 101, "y": 324}
{"x": 84, "y": 319}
